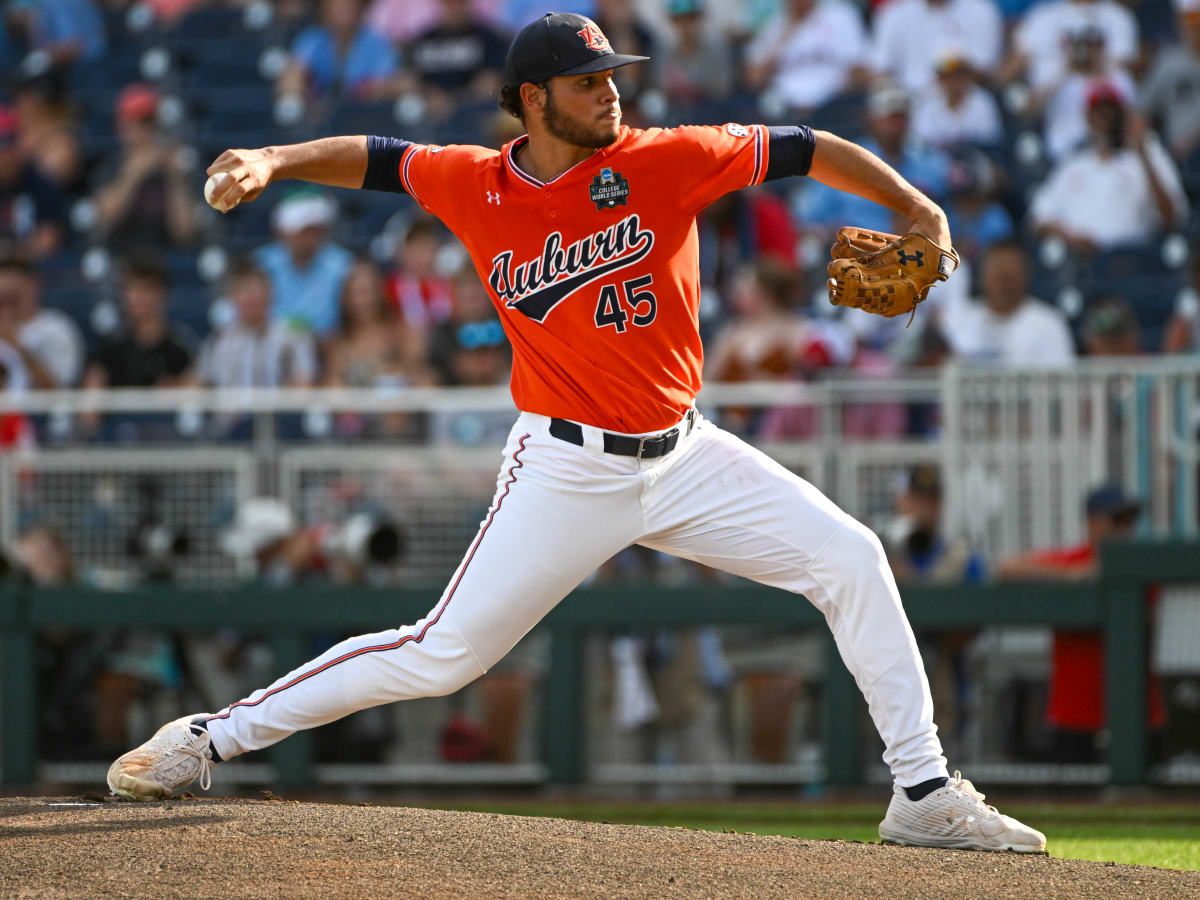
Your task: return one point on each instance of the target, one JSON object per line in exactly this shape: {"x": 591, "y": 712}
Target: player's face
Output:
{"x": 584, "y": 110}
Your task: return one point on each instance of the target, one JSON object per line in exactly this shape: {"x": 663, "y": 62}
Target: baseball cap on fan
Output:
{"x": 561, "y": 44}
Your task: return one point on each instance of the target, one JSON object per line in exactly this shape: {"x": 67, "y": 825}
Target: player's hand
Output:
{"x": 931, "y": 222}
{"x": 250, "y": 172}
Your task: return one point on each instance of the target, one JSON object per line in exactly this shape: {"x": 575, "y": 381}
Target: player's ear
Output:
{"x": 534, "y": 95}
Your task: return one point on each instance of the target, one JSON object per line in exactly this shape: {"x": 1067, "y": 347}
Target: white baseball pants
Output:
{"x": 559, "y": 512}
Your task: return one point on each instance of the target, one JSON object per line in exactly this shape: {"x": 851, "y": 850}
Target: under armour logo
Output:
{"x": 493, "y": 197}
{"x": 593, "y": 37}
{"x": 917, "y": 256}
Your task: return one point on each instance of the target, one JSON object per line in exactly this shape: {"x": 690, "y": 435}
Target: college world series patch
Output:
{"x": 609, "y": 189}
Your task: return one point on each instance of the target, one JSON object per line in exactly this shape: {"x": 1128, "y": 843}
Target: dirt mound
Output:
{"x": 242, "y": 848}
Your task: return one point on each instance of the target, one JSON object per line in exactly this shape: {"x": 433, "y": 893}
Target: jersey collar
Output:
{"x": 509, "y": 154}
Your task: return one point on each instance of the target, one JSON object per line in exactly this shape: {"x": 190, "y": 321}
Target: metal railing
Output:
{"x": 1018, "y": 450}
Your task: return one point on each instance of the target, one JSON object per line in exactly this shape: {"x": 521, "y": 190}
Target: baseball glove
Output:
{"x": 885, "y": 274}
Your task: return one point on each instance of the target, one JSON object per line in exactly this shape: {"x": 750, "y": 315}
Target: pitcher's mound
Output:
{"x": 242, "y": 848}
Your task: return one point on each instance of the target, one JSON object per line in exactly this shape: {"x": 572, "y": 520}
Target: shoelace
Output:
{"x": 962, "y": 785}
{"x": 201, "y": 753}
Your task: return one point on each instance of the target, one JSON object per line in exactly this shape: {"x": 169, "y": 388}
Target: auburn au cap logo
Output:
{"x": 593, "y": 37}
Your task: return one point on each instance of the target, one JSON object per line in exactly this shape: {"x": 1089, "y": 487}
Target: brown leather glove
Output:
{"x": 885, "y": 274}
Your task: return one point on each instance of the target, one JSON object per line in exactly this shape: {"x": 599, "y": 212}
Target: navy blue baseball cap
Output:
{"x": 561, "y": 44}
{"x": 1111, "y": 500}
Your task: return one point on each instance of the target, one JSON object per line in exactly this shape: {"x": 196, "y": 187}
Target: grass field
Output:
{"x": 1150, "y": 835}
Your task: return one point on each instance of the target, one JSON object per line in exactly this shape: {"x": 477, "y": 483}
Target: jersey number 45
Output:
{"x": 609, "y": 310}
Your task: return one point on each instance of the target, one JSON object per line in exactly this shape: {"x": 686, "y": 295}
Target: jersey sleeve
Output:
{"x": 440, "y": 178}
{"x": 696, "y": 164}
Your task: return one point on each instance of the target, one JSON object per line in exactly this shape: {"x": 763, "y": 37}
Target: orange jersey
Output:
{"x": 596, "y": 273}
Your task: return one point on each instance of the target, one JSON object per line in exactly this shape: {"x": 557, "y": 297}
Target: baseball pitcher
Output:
{"x": 584, "y": 232}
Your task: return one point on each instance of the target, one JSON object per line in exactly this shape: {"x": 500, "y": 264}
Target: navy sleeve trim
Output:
{"x": 384, "y": 156}
{"x": 791, "y": 151}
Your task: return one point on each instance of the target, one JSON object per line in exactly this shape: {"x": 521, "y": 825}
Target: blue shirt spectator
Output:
{"x": 306, "y": 268}
{"x": 890, "y": 138}
{"x": 69, "y": 30}
{"x": 924, "y": 167}
{"x": 341, "y": 55}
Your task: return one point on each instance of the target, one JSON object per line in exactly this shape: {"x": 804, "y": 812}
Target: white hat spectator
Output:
{"x": 303, "y": 210}
{"x": 259, "y": 523}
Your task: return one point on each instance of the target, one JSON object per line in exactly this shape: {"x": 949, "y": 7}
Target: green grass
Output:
{"x": 1149, "y": 835}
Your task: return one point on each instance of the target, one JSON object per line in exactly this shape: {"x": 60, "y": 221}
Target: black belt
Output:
{"x": 623, "y": 444}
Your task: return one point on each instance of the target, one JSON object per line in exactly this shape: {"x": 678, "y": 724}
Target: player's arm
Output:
{"x": 846, "y": 166}
{"x": 333, "y": 161}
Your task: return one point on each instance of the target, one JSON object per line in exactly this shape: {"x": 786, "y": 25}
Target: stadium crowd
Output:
{"x": 1062, "y": 136}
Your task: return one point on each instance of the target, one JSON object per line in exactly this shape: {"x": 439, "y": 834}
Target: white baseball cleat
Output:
{"x": 177, "y": 755}
{"x": 955, "y": 817}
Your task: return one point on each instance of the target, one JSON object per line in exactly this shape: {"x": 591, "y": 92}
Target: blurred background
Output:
{"x": 310, "y": 394}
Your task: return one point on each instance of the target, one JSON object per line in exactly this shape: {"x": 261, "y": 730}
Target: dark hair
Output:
{"x": 147, "y": 267}
{"x": 510, "y": 101}
{"x": 422, "y": 226}
{"x": 777, "y": 280}
{"x": 1010, "y": 244}
{"x": 384, "y": 312}
{"x": 246, "y": 267}
{"x": 13, "y": 260}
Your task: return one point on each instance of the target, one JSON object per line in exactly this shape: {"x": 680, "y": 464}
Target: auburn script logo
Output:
{"x": 593, "y": 37}
{"x": 536, "y": 286}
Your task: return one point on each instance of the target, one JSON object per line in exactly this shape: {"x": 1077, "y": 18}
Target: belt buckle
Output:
{"x": 641, "y": 445}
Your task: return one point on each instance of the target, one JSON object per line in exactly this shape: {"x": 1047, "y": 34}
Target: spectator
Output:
{"x": 1008, "y": 327}
{"x": 459, "y": 58}
{"x": 144, "y": 195}
{"x": 31, "y": 208}
{"x": 252, "y": 350}
{"x": 1110, "y": 328}
{"x": 1066, "y": 100}
{"x": 373, "y": 347}
{"x": 60, "y": 32}
{"x": 1075, "y": 706}
{"x": 919, "y": 551}
{"x": 470, "y": 350}
{"x": 699, "y": 66}
{"x": 765, "y": 338}
{"x": 917, "y": 547}
{"x": 623, "y": 26}
{"x": 813, "y": 51}
{"x": 149, "y": 351}
{"x": 420, "y": 294}
{"x": 957, "y": 111}
{"x": 1183, "y": 330}
{"x": 402, "y": 20}
{"x": 891, "y": 139}
{"x": 1041, "y": 42}
{"x": 341, "y": 57}
{"x": 977, "y": 220}
{"x": 1122, "y": 189}
{"x": 1171, "y": 94}
{"x": 47, "y": 130}
{"x": 307, "y": 269}
{"x": 976, "y": 26}
{"x": 47, "y": 341}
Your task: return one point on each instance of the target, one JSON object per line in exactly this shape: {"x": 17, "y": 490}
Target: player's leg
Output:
{"x": 558, "y": 513}
{"x": 727, "y": 505}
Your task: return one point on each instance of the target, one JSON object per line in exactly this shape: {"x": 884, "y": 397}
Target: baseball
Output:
{"x": 211, "y": 185}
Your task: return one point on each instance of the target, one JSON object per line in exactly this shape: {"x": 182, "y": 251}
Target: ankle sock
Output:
{"x": 925, "y": 788}
{"x": 202, "y": 722}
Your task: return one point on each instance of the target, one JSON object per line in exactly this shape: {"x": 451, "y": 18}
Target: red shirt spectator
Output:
{"x": 1077, "y": 690}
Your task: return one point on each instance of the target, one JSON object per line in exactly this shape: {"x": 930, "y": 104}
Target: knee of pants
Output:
{"x": 454, "y": 677}
{"x": 855, "y": 552}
